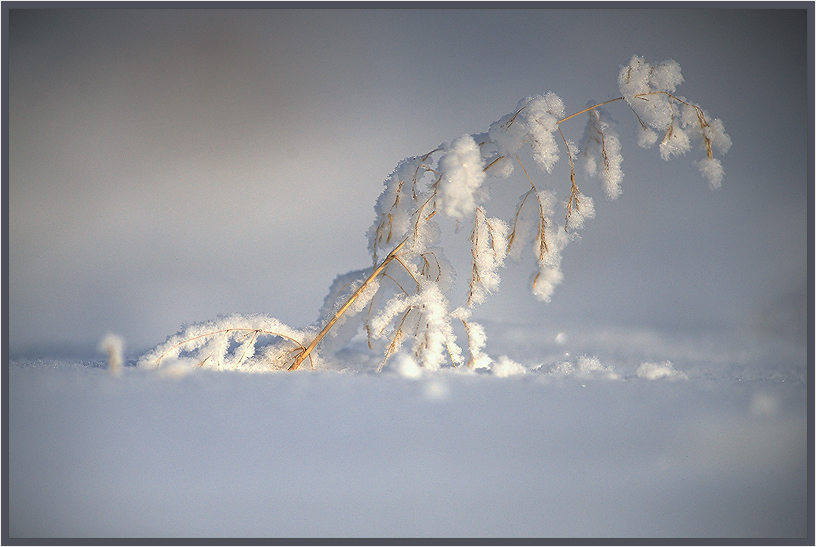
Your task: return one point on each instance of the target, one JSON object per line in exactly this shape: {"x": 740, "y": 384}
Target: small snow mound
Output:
{"x": 407, "y": 367}
{"x": 436, "y": 390}
{"x": 592, "y": 365}
{"x": 507, "y": 367}
{"x": 175, "y": 369}
{"x": 655, "y": 371}
{"x": 583, "y": 367}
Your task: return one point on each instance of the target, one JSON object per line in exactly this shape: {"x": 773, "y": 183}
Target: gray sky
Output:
{"x": 167, "y": 166}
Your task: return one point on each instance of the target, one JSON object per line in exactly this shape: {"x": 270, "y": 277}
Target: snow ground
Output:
{"x": 581, "y": 447}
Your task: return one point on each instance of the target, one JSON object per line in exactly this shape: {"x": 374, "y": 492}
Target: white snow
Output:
{"x": 654, "y": 371}
{"x": 712, "y": 170}
{"x": 462, "y": 174}
{"x": 505, "y": 367}
{"x": 415, "y": 453}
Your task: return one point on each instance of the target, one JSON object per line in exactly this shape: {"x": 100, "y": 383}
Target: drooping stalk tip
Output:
{"x": 408, "y": 301}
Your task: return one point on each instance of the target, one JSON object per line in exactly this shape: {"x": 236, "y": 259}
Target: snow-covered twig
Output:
{"x": 451, "y": 180}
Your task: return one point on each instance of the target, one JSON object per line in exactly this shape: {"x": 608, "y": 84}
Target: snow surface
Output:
{"x": 137, "y": 205}
{"x": 602, "y": 444}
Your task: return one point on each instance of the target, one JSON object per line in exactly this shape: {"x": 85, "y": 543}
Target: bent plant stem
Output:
{"x": 593, "y": 107}
{"x": 391, "y": 256}
{"x": 572, "y": 203}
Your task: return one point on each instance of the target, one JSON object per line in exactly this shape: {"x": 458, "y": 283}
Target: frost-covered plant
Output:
{"x": 402, "y": 297}
{"x": 112, "y": 345}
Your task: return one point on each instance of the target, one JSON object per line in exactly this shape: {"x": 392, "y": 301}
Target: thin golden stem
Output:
{"x": 246, "y": 346}
{"x": 469, "y": 364}
{"x": 492, "y": 163}
{"x": 574, "y": 201}
{"x": 525, "y": 172}
{"x": 593, "y": 107}
{"x": 574, "y": 193}
{"x": 299, "y": 359}
{"x": 475, "y": 277}
{"x": 395, "y": 342}
{"x": 404, "y": 265}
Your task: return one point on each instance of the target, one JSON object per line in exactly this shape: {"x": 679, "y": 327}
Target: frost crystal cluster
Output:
{"x": 401, "y": 301}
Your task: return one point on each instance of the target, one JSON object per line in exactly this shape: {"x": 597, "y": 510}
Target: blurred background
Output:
{"x": 167, "y": 166}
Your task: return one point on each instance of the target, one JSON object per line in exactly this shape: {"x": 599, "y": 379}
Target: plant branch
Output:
{"x": 300, "y": 358}
{"x": 593, "y": 107}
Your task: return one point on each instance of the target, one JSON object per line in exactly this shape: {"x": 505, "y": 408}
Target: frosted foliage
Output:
{"x": 548, "y": 250}
{"x": 476, "y": 338}
{"x": 424, "y": 318}
{"x": 656, "y": 110}
{"x": 535, "y": 122}
{"x": 545, "y": 281}
{"x": 675, "y": 142}
{"x": 690, "y": 115}
{"x": 641, "y": 85}
{"x": 229, "y": 343}
{"x": 583, "y": 212}
{"x": 113, "y": 345}
{"x": 542, "y": 115}
{"x": 612, "y": 174}
{"x": 715, "y": 131}
{"x": 549, "y": 273}
{"x": 646, "y": 137}
{"x": 633, "y": 79}
{"x": 399, "y": 303}
{"x": 434, "y": 341}
{"x": 547, "y": 200}
{"x": 712, "y": 170}
{"x": 502, "y": 168}
{"x": 531, "y": 208}
{"x": 365, "y": 296}
{"x": 381, "y": 323}
{"x": 398, "y": 203}
{"x": 343, "y": 287}
{"x": 649, "y": 91}
{"x": 424, "y": 236}
{"x": 430, "y": 328}
{"x": 710, "y": 132}
{"x": 666, "y": 76}
{"x": 507, "y": 135}
{"x": 601, "y": 152}
{"x": 489, "y": 249}
{"x": 461, "y": 176}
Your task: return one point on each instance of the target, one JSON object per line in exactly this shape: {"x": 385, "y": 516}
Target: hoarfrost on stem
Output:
{"x": 461, "y": 177}
{"x": 402, "y": 296}
{"x": 601, "y": 151}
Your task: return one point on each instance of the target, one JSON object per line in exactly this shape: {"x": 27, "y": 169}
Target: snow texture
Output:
{"x": 568, "y": 449}
{"x": 489, "y": 249}
{"x": 712, "y": 170}
{"x": 601, "y": 152}
{"x": 453, "y": 179}
{"x": 228, "y": 343}
{"x": 649, "y": 91}
{"x": 461, "y": 176}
